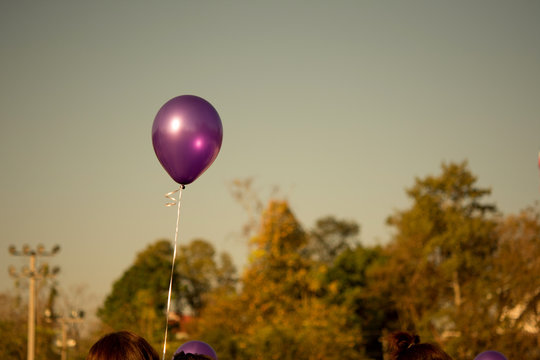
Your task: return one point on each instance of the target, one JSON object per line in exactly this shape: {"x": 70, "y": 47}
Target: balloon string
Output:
{"x": 174, "y": 202}
{"x": 170, "y": 196}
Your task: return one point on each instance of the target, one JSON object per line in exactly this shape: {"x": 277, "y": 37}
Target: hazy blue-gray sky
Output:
{"x": 339, "y": 103}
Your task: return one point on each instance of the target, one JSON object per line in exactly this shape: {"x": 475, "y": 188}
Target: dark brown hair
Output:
{"x": 183, "y": 356}
{"x": 406, "y": 346}
{"x": 122, "y": 345}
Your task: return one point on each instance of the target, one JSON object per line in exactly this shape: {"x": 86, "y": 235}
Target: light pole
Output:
{"x": 33, "y": 274}
{"x": 74, "y": 317}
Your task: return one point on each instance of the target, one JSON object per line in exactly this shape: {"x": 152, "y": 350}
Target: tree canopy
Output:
{"x": 277, "y": 314}
{"x": 456, "y": 271}
{"x": 138, "y": 299}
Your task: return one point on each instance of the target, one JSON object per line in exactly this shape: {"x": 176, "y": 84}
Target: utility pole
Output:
{"x": 74, "y": 317}
{"x": 33, "y": 274}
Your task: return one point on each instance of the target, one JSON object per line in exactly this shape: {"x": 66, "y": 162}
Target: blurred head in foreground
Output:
{"x": 183, "y": 356}
{"x": 122, "y": 345}
{"x": 195, "y": 350}
{"x": 406, "y": 346}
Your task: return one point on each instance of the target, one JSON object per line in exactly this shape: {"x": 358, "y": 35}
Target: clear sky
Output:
{"x": 341, "y": 104}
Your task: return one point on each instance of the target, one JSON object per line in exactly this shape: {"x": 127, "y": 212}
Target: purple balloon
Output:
{"x": 187, "y": 135}
{"x": 198, "y": 348}
{"x": 490, "y": 355}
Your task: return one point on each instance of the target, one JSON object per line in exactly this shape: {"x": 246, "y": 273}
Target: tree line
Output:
{"x": 455, "y": 270}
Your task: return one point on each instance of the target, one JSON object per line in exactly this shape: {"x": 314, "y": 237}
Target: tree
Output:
{"x": 455, "y": 271}
{"x": 139, "y": 297}
{"x": 347, "y": 285}
{"x": 138, "y": 300}
{"x": 277, "y": 314}
{"x": 13, "y": 337}
{"x": 276, "y": 259}
{"x": 226, "y": 273}
{"x": 435, "y": 274}
{"x": 199, "y": 272}
{"x": 514, "y": 286}
{"x": 330, "y": 237}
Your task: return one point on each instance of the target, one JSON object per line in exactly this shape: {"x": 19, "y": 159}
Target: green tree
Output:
{"x": 138, "y": 300}
{"x": 199, "y": 272}
{"x": 435, "y": 276}
{"x": 226, "y": 273}
{"x": 347, "y": 285}
{"x": 139, "y": 297}
{"x": 330, "y": 237}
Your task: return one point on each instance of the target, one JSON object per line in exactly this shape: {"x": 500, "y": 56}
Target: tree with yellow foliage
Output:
{"x": 277, "y": 313}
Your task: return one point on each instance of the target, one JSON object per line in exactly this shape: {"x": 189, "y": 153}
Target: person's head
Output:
{"x": 183, "y": 356}
{"x": 122, "y": 345}
{"x": 406, "y": 346}
{"x": 195, "y": 350}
